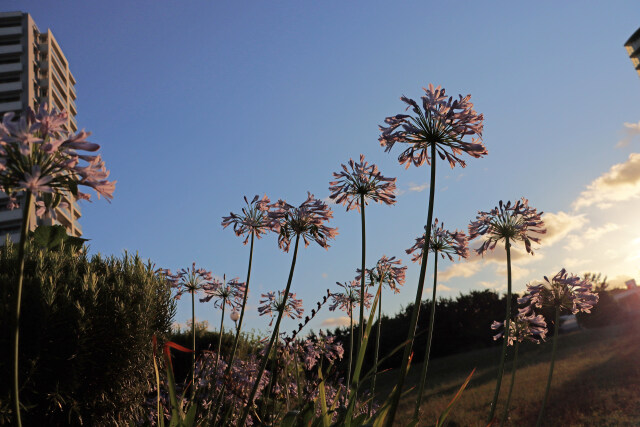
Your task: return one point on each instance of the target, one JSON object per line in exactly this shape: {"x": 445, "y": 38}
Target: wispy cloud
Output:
{"x": 417, "y": 188}
{"x": 620, "y": 183}
{"x": 630, "y": 130}
{"x": 335, "y": 321}
{"x": 561, "y": 224}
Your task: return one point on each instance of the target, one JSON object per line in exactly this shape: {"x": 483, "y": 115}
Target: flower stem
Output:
{"x": 395, "y": 398}
{"x": 26, "y": 214}
{"x": 553, "y": 360}
{"x": 215, "y": 366}
{"x": 425, "y": 364}
{"x": 265, "y": 358}
{"x": 350, "y": 348}
{"x": 193, "y": 334}
{"x": 377, "y": 351}
{"x": 513, "y": 380}
{"x": 361, "y": 329}
{"x": 507, "y": 325}
{"x": 218, "y": 401}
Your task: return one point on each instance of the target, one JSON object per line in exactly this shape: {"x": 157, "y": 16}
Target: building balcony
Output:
{"x": 12, "y": 48}
{"x": 11, "y": 31}
{"x": 8, "y": 87}
{"x": 10, "y": 68}
{"x": 72, "y": 91}
{"x": 10, "y": 106}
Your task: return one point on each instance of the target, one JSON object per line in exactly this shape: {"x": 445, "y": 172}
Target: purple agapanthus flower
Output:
{"x": 189, "y": 280}
{"x": 442, "y": 121}
{"x": 321, "y": 346}
{"x": 517, "y": 222}
{"x": 563, "y": 291}
{"x": 527, "y": 325}
{"x": 38, "y": 155}
{"x": 389, "y": 271}
{"x": 254, "y": 219}
{"x": 307, "y": 221}
{"x": 349, "y": 297}
{"x": 230, "y": 293}
{"x": 271, "y": 304}
{"x": 363, "y": 180}
{"x": 445, "y": 242}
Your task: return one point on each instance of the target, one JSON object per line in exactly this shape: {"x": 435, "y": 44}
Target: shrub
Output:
{"x": 85, "y": 334}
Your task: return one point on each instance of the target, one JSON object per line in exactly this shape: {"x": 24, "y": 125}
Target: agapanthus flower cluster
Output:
{"x": 517, "y": 222}
{"x": 188, "y": 280}
{"x": 442, "y": 121}
{"x": 526, "y": 325}
{"x": 254, "y": 219}
{"x": 445, "y": 242}
{"x": 307, "y": 221}
{"x": 563, "y": 291}
{"x": 321, "y": 347}
{"x": 349, "y": 297}
{"x": 363, "y": 180}
{"x": 230, "y": 293}
{"x": 271, "y": 304}
{"x": 39, "y": 155}
{"x": 389, "y": 271}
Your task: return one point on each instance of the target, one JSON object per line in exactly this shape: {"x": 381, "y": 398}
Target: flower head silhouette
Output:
{"x": 361, "y": 181}
{"x": 442, "y": 121}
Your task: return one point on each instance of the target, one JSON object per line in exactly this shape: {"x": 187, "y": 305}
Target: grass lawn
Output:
{"x": 596, "y": 382}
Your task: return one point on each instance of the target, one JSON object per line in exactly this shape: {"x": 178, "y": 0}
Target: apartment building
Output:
{"x": 633, "y": 49}
{"x": 34, "y": 71}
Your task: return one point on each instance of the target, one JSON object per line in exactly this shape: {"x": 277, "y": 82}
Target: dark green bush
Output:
{"x": 85, "y": 335}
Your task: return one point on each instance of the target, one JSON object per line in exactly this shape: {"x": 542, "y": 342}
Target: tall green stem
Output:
{"x": 377, "y": 351}
{"x": 507, "y": 325}
{"x": 556, "y": 326}
{"x": 227, "y": 372}
{"x": 265, "y": 358}
{"x": 361, "y": 329}
{"x": 215, "y": 366}
{"x": 350, "y": 348}
{"x": 26, "y": 214}
{"x": 193, "y": 335}
{"x": 395, "y": 398}
{"x": 425, "y": 364}
{"x": 513, "y": 380}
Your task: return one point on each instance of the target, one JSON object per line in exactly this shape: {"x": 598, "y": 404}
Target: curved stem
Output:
{"x": 425, "y": 364}
{"x": 361, "y": 329}
{"x": 513, "y": 380}
{"x": 507, "y": 325}
{"x": 404, "y": 368}
{"x": 227, "y": 372}
{"x": 377, "y": 351}
{"x": 556, "y": 326}
{"x": 26, "y": 214}
{"x": 265, "y": 358}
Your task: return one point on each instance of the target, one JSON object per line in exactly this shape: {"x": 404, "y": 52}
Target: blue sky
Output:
{"x": 199, "y": 103}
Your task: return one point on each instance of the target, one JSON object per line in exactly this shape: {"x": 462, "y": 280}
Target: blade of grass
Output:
{"x": 449, "y": 407}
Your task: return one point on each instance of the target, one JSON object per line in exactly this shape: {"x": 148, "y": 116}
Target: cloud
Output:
{"x": 630, "y": 130}
{"x": 418, "y": 188}
{"x": 577, "y": 242}
{"x": 619, "y": 184}
{"x": 441, "y": 288}
{"x": 335, "y": 321}
{"x": 559, "y": 225}
{"x": 461, "y": 269}
{"x": 575, "y": 263}
{"x": 517, "y": 272}
{"x": 475, "y": 262}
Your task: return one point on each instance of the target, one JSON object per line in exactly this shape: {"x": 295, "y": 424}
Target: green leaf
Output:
{"x": 54, "y": 237}
{"x": 360, "y": 358}
{"x": 444, "y": 415}
{"x": 289, "y": 419}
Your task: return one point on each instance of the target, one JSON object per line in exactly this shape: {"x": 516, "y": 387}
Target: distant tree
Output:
{"x": 607, "y": 311}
